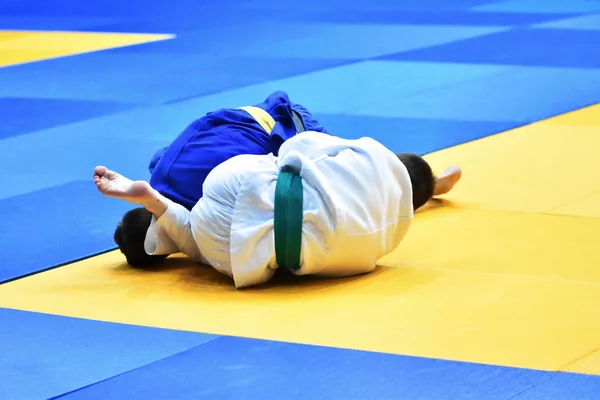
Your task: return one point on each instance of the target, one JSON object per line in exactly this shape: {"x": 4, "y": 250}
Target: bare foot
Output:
{"x": 112, "y": 184}
{"x": 447, "y": 179}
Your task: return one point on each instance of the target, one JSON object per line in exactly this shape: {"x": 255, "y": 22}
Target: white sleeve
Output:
{"x": 172, "y": 233}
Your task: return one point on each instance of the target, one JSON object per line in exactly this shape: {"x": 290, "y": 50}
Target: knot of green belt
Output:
{"x": 288, "y": 218}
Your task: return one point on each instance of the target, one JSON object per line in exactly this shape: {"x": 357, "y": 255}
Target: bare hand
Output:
{"x": 112, "y": 184}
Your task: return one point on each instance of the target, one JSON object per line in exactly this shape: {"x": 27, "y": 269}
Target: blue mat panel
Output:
{"x": 47, "y": 190}
{"x": 69, "y": 8}
{"x": 180, "y": 8}
{"x": 434, "y": 17}
{"x": 33, "y": 22}
{"x": 46, "y": 355}
{"x": 519, "y": 95}
{"x": 36, "y": 114}
{"x": 347, "y": 41}
{"x": 310, "y": 40}
{"x": 221, "y": 22}
{"x": 346, "y": 88}
{"x": 403, "y": 5}
{"x": 413, "y": 135}
{"x": 522, "y": 47}
{"x": 150, "y": 78}
{"x": 587, "y": 22}
{"x": 236, "y": 368}
{"x": 72, "y": 151}
{"x": 48, "y": 227}
{"x": 541, "y": 6}
{"x": 564, "y": 387}
{"x": 335, "y": 5}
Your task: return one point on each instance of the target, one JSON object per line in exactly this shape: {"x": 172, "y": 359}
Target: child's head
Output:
{"x": 421, "y": 178}
{"x": 130, "y": 236}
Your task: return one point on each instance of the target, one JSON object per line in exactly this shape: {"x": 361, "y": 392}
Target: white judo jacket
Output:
{"x": 357, "y": 208}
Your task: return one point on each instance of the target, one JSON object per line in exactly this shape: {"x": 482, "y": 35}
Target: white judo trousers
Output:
{"x": 357, "y": 208}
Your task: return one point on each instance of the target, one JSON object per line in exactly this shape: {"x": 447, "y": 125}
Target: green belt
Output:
{"x": 288, "y": 218}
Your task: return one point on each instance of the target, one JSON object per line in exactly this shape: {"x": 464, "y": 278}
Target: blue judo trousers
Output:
{"x": 179, "y": 170}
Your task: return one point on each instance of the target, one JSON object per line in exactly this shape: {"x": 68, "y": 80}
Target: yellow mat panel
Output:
{"x": 488, "y": 275}
{"x": 18, "y": 47}
{"x": 508, "y": 243}
{"x": 534, "y": 168}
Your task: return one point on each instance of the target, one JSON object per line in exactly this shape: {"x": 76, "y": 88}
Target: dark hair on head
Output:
{"x": 130, "y": 236}
{"x": 421, "y": 178}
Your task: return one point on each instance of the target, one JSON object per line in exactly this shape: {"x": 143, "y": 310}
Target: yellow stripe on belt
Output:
{"x": 263, "y": 118}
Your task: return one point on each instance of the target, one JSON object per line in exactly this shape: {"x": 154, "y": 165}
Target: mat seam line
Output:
{"x": 572, "y": 201}
{"x": 570, "y": 363}
{"x": 63, "y": 264}
{"x": 484, "y": 208}
{"x": 132, "y": 370}
{"x": 397, "y": 265}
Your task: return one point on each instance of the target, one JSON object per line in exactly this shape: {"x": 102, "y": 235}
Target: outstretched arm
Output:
{"x": 171, "y": 217}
